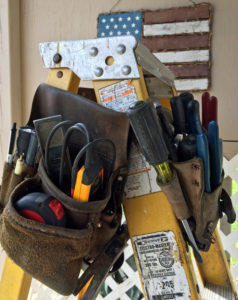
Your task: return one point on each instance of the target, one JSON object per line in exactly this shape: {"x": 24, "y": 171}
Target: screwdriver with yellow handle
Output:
{"x": 146, "y": 126}
{"x": 145, "y": 123}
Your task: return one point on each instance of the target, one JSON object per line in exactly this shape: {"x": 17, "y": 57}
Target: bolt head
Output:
{"x": 121, "y": 49}
{"x": 57, "y": 58}
{"x": 60, "y": 74}
{"x": 93, "y": 51}
{"x": 126, "y": 70}
{"x": 99, "y": 225}
{"x": 98, "y": 72}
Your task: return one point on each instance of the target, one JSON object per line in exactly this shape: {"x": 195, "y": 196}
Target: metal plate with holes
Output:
{"x": 93, "y": 59}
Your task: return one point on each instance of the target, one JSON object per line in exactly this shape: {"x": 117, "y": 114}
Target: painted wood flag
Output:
{"x": 179, "y": 37}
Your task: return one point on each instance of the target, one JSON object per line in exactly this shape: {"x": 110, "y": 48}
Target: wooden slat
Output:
{"x": 183, "y": 56}
{"x": 190, "y": 70}
{"x": 199, "y": 84}
{"x": 199, "y": 12}
{"x": 176, "y": 28}
{"x": 180, "y": 42}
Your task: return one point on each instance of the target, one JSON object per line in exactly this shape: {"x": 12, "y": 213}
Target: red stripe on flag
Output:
{"x": 180, "y": 42}
{"x": 190, "y": 70}
{"x": 198, "y": 12}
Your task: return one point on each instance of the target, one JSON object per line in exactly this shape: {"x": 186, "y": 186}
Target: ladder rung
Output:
{"x": 217, "y": 292}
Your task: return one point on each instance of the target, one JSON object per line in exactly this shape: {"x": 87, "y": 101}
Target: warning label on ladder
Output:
{"x": 141, "y": 178}
{"x": 162, "y": 273}
{"x": 118, "y": 96}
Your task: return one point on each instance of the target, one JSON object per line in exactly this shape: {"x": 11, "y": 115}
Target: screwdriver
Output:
{"x": 146, "y": 126}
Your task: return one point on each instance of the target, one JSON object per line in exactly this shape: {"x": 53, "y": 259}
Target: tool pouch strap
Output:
{"x": 52, "y": 254}
{"x": 205, "y": 208}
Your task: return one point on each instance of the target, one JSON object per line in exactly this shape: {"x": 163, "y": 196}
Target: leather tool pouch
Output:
{"x": 54, "y": 255}
{"x": 189, "y": 200}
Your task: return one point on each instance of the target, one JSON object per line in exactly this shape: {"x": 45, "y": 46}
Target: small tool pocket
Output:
{"x": 54, "y": 254}
{"x": 10, "y": 180}
{"x": 205, "y": 208}
{"x": 54, "y": 247}
{"x": 51, "y": 254}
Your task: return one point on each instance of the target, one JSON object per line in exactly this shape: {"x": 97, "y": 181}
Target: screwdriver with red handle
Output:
{"x": 209, "y": 109}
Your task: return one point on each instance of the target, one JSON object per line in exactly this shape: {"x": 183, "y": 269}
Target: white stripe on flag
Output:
{"x": 191, "y": 84}
{"x": 183, "y": 56}
{"x": 176, "y": 28}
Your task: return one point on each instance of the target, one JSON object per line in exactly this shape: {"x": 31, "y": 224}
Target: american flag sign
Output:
{"x": 179, "y": 37}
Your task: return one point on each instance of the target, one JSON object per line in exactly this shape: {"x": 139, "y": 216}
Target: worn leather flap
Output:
{"x": 101, "y": 122}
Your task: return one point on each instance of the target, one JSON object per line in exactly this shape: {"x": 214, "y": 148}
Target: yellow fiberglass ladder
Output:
{"x": 124, "y": 63}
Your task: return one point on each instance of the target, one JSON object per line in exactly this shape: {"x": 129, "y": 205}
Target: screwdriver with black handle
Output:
{"x": 146, "y": 126}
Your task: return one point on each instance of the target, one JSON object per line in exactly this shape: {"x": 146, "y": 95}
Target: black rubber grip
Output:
{"x": 186, "y": 97}
{"x": 145, "y": 123}
{"x": 178, "y": 114}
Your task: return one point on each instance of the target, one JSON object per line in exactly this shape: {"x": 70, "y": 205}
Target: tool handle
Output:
{"x": 178, "y": 114}
{"x": 214, "y": 144}
{"x": 32, "y": 150}
{"x": 12, "y": 138}
{"x": 194, "y": 117}
{"x": 203, "y": 152}
{"x": 187, "y": 148}
{"x": 212, "y": 109}
{"x": 168, "y": 133}
{"x": 186, "y": 97}
{"x": 146, "y": 126}
{"x": 205, "y": 99}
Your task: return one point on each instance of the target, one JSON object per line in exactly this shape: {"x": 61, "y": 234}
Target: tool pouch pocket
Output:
{"x": 54, "y": 254}
{"x": 10, "y": 180}
{"x": 201, "y": 208}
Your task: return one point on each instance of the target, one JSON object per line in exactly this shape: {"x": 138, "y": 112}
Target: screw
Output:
{"x": 121, "y": 49}
{"x": 210, "y": 227}
{"x": 99, "y": 225}
{"x": 98, "y": 72}
{"x": 109, "y": 212}
{"x": 195, "y": 167}
{"x": 93, "y": 51}
{"x": 126, "y": 70}
{"x": 60, "y": 74}
{"x": 57, "y": 58}
{"x": 119, "y": 178}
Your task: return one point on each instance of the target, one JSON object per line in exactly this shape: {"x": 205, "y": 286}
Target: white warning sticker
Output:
{"x": 162, "y": 273}
{"x": 141, "y": 178}
{"x": 118, "y": 96}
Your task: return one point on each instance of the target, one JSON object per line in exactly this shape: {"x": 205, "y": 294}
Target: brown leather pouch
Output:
{"x": 53, "y": 254}
{"x": 204, "y": 208}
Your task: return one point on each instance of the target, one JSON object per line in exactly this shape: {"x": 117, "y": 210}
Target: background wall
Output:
{"x": 41, "y": 21}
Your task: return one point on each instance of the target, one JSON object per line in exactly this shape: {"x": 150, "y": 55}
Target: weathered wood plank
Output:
{"x": 176, "y": 28}
{"x": 190, "y": 70}
{"x": 183, "y": 56}
{"x": 191, "y": 84}
{"x": 177, "y": 14}
{"x": 180, "y": 42}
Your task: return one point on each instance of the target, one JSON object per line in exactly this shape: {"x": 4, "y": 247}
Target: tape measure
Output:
{"x": 42, "y": 208}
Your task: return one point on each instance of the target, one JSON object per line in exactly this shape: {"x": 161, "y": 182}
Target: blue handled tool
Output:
{"x": 215, "y": 158}
{"x": 203, "y": 152}
{"x": 194, "y": 117}
{"x": 221, "y": 151}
